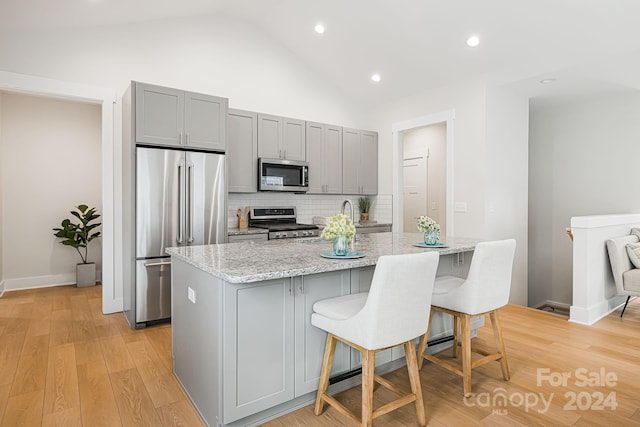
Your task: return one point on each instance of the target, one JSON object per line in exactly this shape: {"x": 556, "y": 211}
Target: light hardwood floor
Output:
{"x": 535, "y": 340}
{"x": 63, "y": 363}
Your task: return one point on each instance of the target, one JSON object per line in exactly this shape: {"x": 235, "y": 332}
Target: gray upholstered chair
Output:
{"x": 627, "y": 277}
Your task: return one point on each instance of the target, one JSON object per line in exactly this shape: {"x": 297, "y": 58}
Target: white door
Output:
{"x": 415, "y": 189}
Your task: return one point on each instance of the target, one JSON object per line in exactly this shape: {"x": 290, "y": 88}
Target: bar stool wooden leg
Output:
{"x": 466, "y": 353}
{"x": 327, "y": 362}
{"x": 414, "y": 379}
{"x": 456, "y": 335}
{"x": 423, "y": 341}
{"x": 368, "y": 379}
{"x": 497, "y": 333}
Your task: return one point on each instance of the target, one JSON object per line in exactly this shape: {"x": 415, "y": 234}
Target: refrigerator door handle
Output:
{"x": 157, "y": 264}
{"x": 189, "y": 214}
{"x": 180, "y": 205}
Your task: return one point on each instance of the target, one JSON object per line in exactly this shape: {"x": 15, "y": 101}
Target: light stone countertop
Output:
{"x": 248, "y": 262}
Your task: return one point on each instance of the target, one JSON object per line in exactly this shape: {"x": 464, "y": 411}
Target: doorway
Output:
{"x": 437, "y": 176}
{"x": 111, "y": 169}
{"x": 424, "y": 175}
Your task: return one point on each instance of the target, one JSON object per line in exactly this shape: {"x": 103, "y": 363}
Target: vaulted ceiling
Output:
{"x": 587, "y": 45}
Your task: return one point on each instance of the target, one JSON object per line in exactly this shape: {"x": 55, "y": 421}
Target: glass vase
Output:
{"x": 340, "y": 246}
{"x": 430, "y": 237}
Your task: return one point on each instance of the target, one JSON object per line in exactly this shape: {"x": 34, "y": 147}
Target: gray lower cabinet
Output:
{"x": 272, "y": 353}
{"x": 167, "y": 116}
{"x": 324, "y": 154}
{"x": 359, "y": 162}
{"x": 242, "y": 151}
{"x": 310, "y": 341}
{"x": 258, "y": 347}
{"x": 281, "y": 137}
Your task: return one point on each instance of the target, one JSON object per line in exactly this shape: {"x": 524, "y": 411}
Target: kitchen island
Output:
{"x": 244, "y": 348}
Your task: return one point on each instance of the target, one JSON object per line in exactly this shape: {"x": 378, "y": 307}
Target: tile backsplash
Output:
{"x": 310, "y": 205}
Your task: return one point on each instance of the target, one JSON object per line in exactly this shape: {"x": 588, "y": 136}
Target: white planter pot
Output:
{"x": 86, "y": 274}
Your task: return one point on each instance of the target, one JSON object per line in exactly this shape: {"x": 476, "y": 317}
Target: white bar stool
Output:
{"x": 393, "y": 312}
{"x": 485, "y": 290}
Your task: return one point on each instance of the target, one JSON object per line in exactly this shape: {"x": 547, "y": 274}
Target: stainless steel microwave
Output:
{"x": 283, "y": 175}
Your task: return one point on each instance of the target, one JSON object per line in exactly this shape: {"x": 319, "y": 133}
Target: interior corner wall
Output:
{"x": 51, "y": 162}
{"x": 583, "y": 159}
{"x": 506, "y": 160}
{"x": 467, "y": 99}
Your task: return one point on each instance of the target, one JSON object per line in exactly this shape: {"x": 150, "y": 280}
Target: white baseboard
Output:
{"x": 591, "y": 315}
{"x": 1, "y": 288}
{"x": 39, "y": 281}
{"x": 45, "y": 281}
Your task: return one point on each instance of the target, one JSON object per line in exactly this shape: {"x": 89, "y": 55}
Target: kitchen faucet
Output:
{"x": 342, "y": 208}
{"x": 344, "y": 205}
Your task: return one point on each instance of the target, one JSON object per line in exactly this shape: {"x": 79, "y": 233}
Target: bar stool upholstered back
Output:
{"x": 393, "y": 312}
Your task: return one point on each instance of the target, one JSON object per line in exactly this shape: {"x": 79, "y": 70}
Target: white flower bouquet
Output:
{"x": 339, "y": 225}
{"x": 426, "y": 224}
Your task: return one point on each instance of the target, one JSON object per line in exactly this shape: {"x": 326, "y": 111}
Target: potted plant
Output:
{"x": 341, "y": 230}
{"x": 364, "y": 203}
{"x": 78, "y": 236}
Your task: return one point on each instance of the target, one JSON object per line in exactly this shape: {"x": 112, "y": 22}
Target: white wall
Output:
{"x": 434, "y": 138}
{"x": 489, "y": 148}
{"x": 468, "y": 101}
{"x": 215, "y": 55}
{"x": 51, "y": 162}
{"x": 506, "y": 163}
{"x": 583, "y": 158}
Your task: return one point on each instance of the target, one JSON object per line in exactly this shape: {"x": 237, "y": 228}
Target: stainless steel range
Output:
{"x": 281, "y": 223}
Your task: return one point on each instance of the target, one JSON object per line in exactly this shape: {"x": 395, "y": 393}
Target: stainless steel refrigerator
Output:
{"x": 180, "y": 201}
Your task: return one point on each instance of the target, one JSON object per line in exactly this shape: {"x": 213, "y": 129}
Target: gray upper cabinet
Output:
{"x": 324, "y": 154}
{"x": 159, "y": 114}
{"x": 281, "y": 138}
{"x": 166, "y": 116}
{"x": 204, "y": 121}
{"x": 242, "y": 151}
{"x": 359, "y": 162}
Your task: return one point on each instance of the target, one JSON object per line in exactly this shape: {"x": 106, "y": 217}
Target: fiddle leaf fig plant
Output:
{"x": 78, "y": 235}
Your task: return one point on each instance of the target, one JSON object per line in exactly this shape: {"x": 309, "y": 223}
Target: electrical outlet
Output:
{"x": 460, "y": 207}
{"x": 191, "y": 294}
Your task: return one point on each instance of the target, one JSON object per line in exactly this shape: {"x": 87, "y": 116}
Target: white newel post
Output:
{"x": 594, "y": 291}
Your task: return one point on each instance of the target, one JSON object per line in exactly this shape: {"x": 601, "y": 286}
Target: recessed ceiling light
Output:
{"x": 473, "y": 41}
{"x": 376, "y": 77}
{"x": 319, "y": 28}
{"x": 549, "y": 80}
